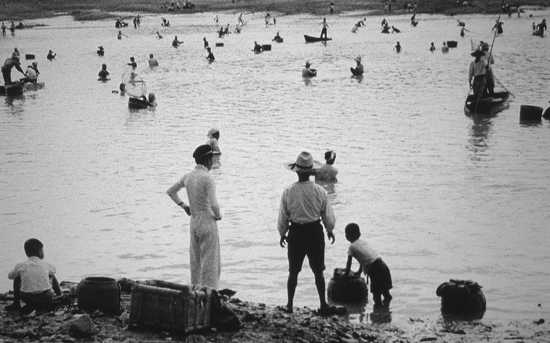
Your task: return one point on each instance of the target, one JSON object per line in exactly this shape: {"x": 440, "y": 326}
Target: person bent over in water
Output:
{"x": 10, "y": 63}
{"x": 371, "y": 264}
{"x": 34, "y": 280}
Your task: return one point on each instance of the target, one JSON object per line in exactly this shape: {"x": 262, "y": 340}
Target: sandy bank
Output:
{"x": 95, "y": 10}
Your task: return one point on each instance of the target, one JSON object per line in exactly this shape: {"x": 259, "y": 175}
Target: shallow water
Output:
{"x": 438, "y": 195}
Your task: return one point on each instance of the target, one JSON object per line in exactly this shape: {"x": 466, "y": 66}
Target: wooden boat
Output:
{"x": 487, "y": 106}
{"x": 14, "y": 89}
{"x": 452, "y": 43}
{"x": 137, "y": 103}
{"x": 311, "y": 39}
{"x": 356, "y": 72}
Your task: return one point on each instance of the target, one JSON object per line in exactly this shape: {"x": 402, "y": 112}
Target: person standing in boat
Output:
{"x": 477, "y": 76}
{"x": 204, "y": 210}
{"x": 304, "y": 205}
{"x": 324, "y": 28}
{"x": 10, "y": 63}
{"x": 398, "y": 47}
{"x": 489, "y": 60}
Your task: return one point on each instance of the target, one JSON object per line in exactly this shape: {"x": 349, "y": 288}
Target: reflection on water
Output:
{"x": 439, "y": 196}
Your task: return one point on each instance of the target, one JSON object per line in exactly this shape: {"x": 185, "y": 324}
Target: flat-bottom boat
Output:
{"x": 311, "y": 39}
{"x": 486, "y": 106}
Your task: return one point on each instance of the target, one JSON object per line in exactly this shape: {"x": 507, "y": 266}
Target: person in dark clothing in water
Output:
{"x": 210, "y": 56}
{"x": 10, "y": 63}
{"x": 103, "y": 74}
{"x": 324, "y": 29}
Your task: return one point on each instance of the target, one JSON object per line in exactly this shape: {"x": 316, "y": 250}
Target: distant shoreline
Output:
{"x": 85, "y": 10}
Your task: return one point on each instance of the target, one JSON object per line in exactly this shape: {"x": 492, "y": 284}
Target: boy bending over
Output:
{"x": 371, "y": 264}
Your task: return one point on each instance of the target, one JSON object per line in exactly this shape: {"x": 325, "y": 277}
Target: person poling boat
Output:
{"x": 308, "y": 71}
{"x": 324, "y": 28}
{"x": 477, "y": 75}
{"x": 397, "y": 47}
{"x": 358, "y": 70}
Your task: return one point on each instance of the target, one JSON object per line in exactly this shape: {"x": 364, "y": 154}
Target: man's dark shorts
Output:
{"x": 380, "y": 277}
{"x": 306, "y": 240}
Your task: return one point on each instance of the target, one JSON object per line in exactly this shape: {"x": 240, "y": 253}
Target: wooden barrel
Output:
{"x": 546, "y": 114}
{"x": 29, "y": 56}
{"x": 99, "y": 293}
{"x": 528, "y": 113}
{"x": 218, "y": 44}
{"x": 347, "y": 288}
{"x": 463, "y": 299}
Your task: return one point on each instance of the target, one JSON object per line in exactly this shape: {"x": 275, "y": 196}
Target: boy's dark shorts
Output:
{"x": 306, "y": 240}
{"x": 39, "y": 301}
{"x": 380, "y": 276}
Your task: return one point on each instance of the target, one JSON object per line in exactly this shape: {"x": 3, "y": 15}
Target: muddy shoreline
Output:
{"x": 267, "y": 324}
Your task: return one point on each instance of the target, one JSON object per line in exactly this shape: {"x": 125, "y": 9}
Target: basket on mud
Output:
{"x": 347, "y": 288}
{"x": 170, "y": 306}
{"x": 460, "y": 298}
{"x": 99, "y": 293}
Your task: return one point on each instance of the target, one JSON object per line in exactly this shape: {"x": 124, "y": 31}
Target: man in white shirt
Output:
{"x": 205, "y": 212}
{"x": 303, "y": 206}
{"x": 34, "y": 280}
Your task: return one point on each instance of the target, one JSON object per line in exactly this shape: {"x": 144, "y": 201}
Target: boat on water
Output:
{"x": 138, "y": 103}
{"x": 311, "y": 39}
{"x": 486, "y": 106}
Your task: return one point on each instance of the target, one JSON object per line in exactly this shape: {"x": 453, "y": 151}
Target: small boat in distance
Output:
{"x": 486, "y": 106}
{"x": 311, "y": 39}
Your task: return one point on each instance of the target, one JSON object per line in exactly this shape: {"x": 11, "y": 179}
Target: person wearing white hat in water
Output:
{"x": 204, "y": 210}
{"x": 304, "y": 205}
{"x": 213, "y": 138}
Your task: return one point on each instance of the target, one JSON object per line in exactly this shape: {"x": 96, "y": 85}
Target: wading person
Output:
{"x": 10, "y": 63}
{"x": 213, "y": 140}
{"x": 304, "y": 205}
{"x": 371, "y": 264}
{"x": 324, "y": 28}
{"x": 327, "y": 173}
{"x": 203, "y": 208}
{"x": 152, "y": 61}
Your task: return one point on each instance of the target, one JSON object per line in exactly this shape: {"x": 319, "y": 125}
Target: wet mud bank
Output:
{"x": 260, "y": 323}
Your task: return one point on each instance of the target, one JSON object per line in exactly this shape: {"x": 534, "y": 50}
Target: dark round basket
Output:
{"x": 99, "y": 293}
{"x": 347, "y": 288}
{"x": 463, "y": 299}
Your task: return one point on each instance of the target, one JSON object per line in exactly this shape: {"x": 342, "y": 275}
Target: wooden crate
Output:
{"x": 171, "y": 307}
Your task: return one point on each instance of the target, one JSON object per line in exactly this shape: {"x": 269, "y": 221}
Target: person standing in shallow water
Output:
{"x": 304, "y": 205}
{"x": 213, "y": 140}
{"x": 327, "y": 173}
{"x": 324, "y": 29}
{"x": 204, "y": 210}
